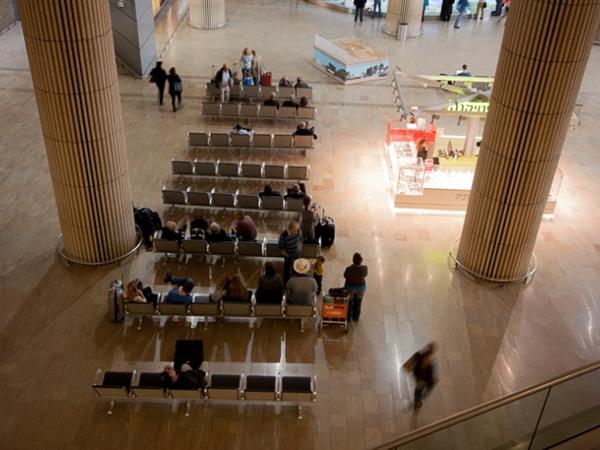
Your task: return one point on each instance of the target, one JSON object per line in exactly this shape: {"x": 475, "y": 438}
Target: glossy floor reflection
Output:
{"x": 54, "y": 333}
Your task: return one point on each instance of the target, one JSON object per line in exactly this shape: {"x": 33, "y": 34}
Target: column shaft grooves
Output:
{"x": 542, "y": 60}
{"x": 70, "y": 49}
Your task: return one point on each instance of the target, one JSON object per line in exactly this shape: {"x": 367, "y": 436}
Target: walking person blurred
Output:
{"x": 175, "y": 88}
{"x": 446, "y": 10}
{"x": 422, "y": 367}
{"x": 461, "y": 8}
{"x": 506, "y": 5}
{"x": 359, "y": 8}
{"x": 158, "y": 76}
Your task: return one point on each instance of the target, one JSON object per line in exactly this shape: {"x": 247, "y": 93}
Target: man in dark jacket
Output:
{"x": 423, "y": 369}
{"x": 358, "y": 12}
{"x": 159, "y": 77}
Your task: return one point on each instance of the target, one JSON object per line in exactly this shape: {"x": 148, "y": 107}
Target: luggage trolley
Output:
{"x": 335, "y": 309}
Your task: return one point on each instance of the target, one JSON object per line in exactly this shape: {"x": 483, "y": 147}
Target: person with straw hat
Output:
{"x": 301, "y": 289}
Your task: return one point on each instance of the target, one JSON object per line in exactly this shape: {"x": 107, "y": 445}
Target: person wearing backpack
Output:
{"x": 175, "y": 87}
{"x": 158, "y": 76}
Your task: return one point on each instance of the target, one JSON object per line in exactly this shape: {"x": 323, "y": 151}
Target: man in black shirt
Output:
{"x": 423, "y": 369}
{"x": 159, "y": 77}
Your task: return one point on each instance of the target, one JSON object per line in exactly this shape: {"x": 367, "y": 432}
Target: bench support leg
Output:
{"x": 301, "y": 325}
{"x": 111, "y": 406}
{"x": 140, "y": 320}
{"x": 205, "y": 323}
{"x": 299, "y": 412}
{"x": 188, "y": 407}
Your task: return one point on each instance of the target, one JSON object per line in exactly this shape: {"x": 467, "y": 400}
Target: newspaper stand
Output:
{"x": 334, "y": 311}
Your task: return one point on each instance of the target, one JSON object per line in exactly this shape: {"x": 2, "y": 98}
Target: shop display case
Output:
{"x": 445, "y": 185}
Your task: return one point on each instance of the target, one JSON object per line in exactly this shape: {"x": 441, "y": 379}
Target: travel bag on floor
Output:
{"x": 266, "y": 79}
{"x": 325, "y": 231}
{"x": 116, "y": 308}
{"x": 148, "y": 221}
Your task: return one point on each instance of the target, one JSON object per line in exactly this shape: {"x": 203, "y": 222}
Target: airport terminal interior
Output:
{"x": 492, "y": 339}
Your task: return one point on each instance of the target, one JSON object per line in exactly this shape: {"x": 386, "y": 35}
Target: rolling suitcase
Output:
{"x": 116, "y": 308}
{"x": 266, "y": 79}
{"x": 325, "y": 231}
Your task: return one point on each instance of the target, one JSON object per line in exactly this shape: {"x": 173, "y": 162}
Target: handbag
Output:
{"x": 151, "y": 79}
{"x": 484, "y": 5}
{"x": 177, "y": 87}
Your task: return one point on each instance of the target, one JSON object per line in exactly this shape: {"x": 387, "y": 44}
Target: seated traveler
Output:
{"x": 303, "y": 130}
{"x": 216, "y": 233}
{"x": 291, "y": 101}
{"x": 170, "y": 232}
{"x": 270, "y": 286}
{"x": 271, "y": 101}
{"x": 238, "y": 129}
{"x": 300, "y": 288}
{"x": 300, "y": 83}
{"x": 245, "y": 229}
{"x": 235, "y": 290}
{"x": 284, "y": 82}
{"x": 198, "y": 228}
{"x": 135, "y": 292}
{"x": 188, "y": 378}
{"x": 269, "y": 192}
{"x": 181, "y": 294}
{"x": 295, "y": 192}
{"x": 303, "y": 102}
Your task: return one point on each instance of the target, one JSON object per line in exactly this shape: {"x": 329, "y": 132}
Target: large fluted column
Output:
{"x": 72, "y": 60}
{"x": 404, "y": 11}
{"x": 207, "y": 14}
{"x": 542, "y": 60}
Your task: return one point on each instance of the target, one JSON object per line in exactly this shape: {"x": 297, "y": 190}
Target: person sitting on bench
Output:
{"x": 235, "y": 290}
{"x": 188, "y": 378}
{"x": 238, "y": 129}
{"x": 304, "y": 102}
{"x": 271, "y": 101}
{"x": 217, "y": 234}
{"x": 170, "y": 232}
{"x": 291, "y": 101}
{"x": 300, "y": 83}
{"x": 295, "y": 192}
{"x": 301, "y": 289}
{"x": 245, "y": 229}
{"x": 181, "y": 294}
{"x": 303, "y": 130}
{"x": 269, "y": 192}
{"x": 284, "y": 82}
{"x": 135, "y": 292}
{"x": 270, "y": 286}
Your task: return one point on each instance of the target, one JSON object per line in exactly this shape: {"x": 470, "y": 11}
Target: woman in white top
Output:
{"x": 246, "y": 62}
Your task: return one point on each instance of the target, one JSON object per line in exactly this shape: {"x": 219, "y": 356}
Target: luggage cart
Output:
{"x": 334, "y": 310}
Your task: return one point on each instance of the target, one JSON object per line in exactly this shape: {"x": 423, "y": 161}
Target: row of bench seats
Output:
{"x": 263, "y": 248}
{"x": 257, "y": 140}
{"x": 239, "y": 169}
{"x": 261, "y": 92}
{"x": 148, "y": 386}
{"x": 213, "y": 199}
{"x": 203, "y": 307}
{"x": 257, "y": 111}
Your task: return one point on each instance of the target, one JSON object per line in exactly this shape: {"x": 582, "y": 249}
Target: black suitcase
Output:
{"x": 325, "y": 231}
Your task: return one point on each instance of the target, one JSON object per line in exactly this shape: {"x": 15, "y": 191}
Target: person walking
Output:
{"x": 422, "y": 367}
{"x": 158, "y": 76}
{"x": 377, "y": 8}
{"x": 257, "y": 68}
{"x": 506, "y": 5}
{"x": 481, "y": 5}
{"x": 355, "y": 282}
{"x": 359, "y": 8}
{"x": 446, "y": 11}
{"x": 461, "y": 8}
{"x": 223, "y": 79}
{"x": 246, "y": 63}
{"x": 175, "y": 88}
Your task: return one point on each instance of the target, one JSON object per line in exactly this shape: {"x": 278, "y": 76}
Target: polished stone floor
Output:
{"x": 54, "y": 333}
